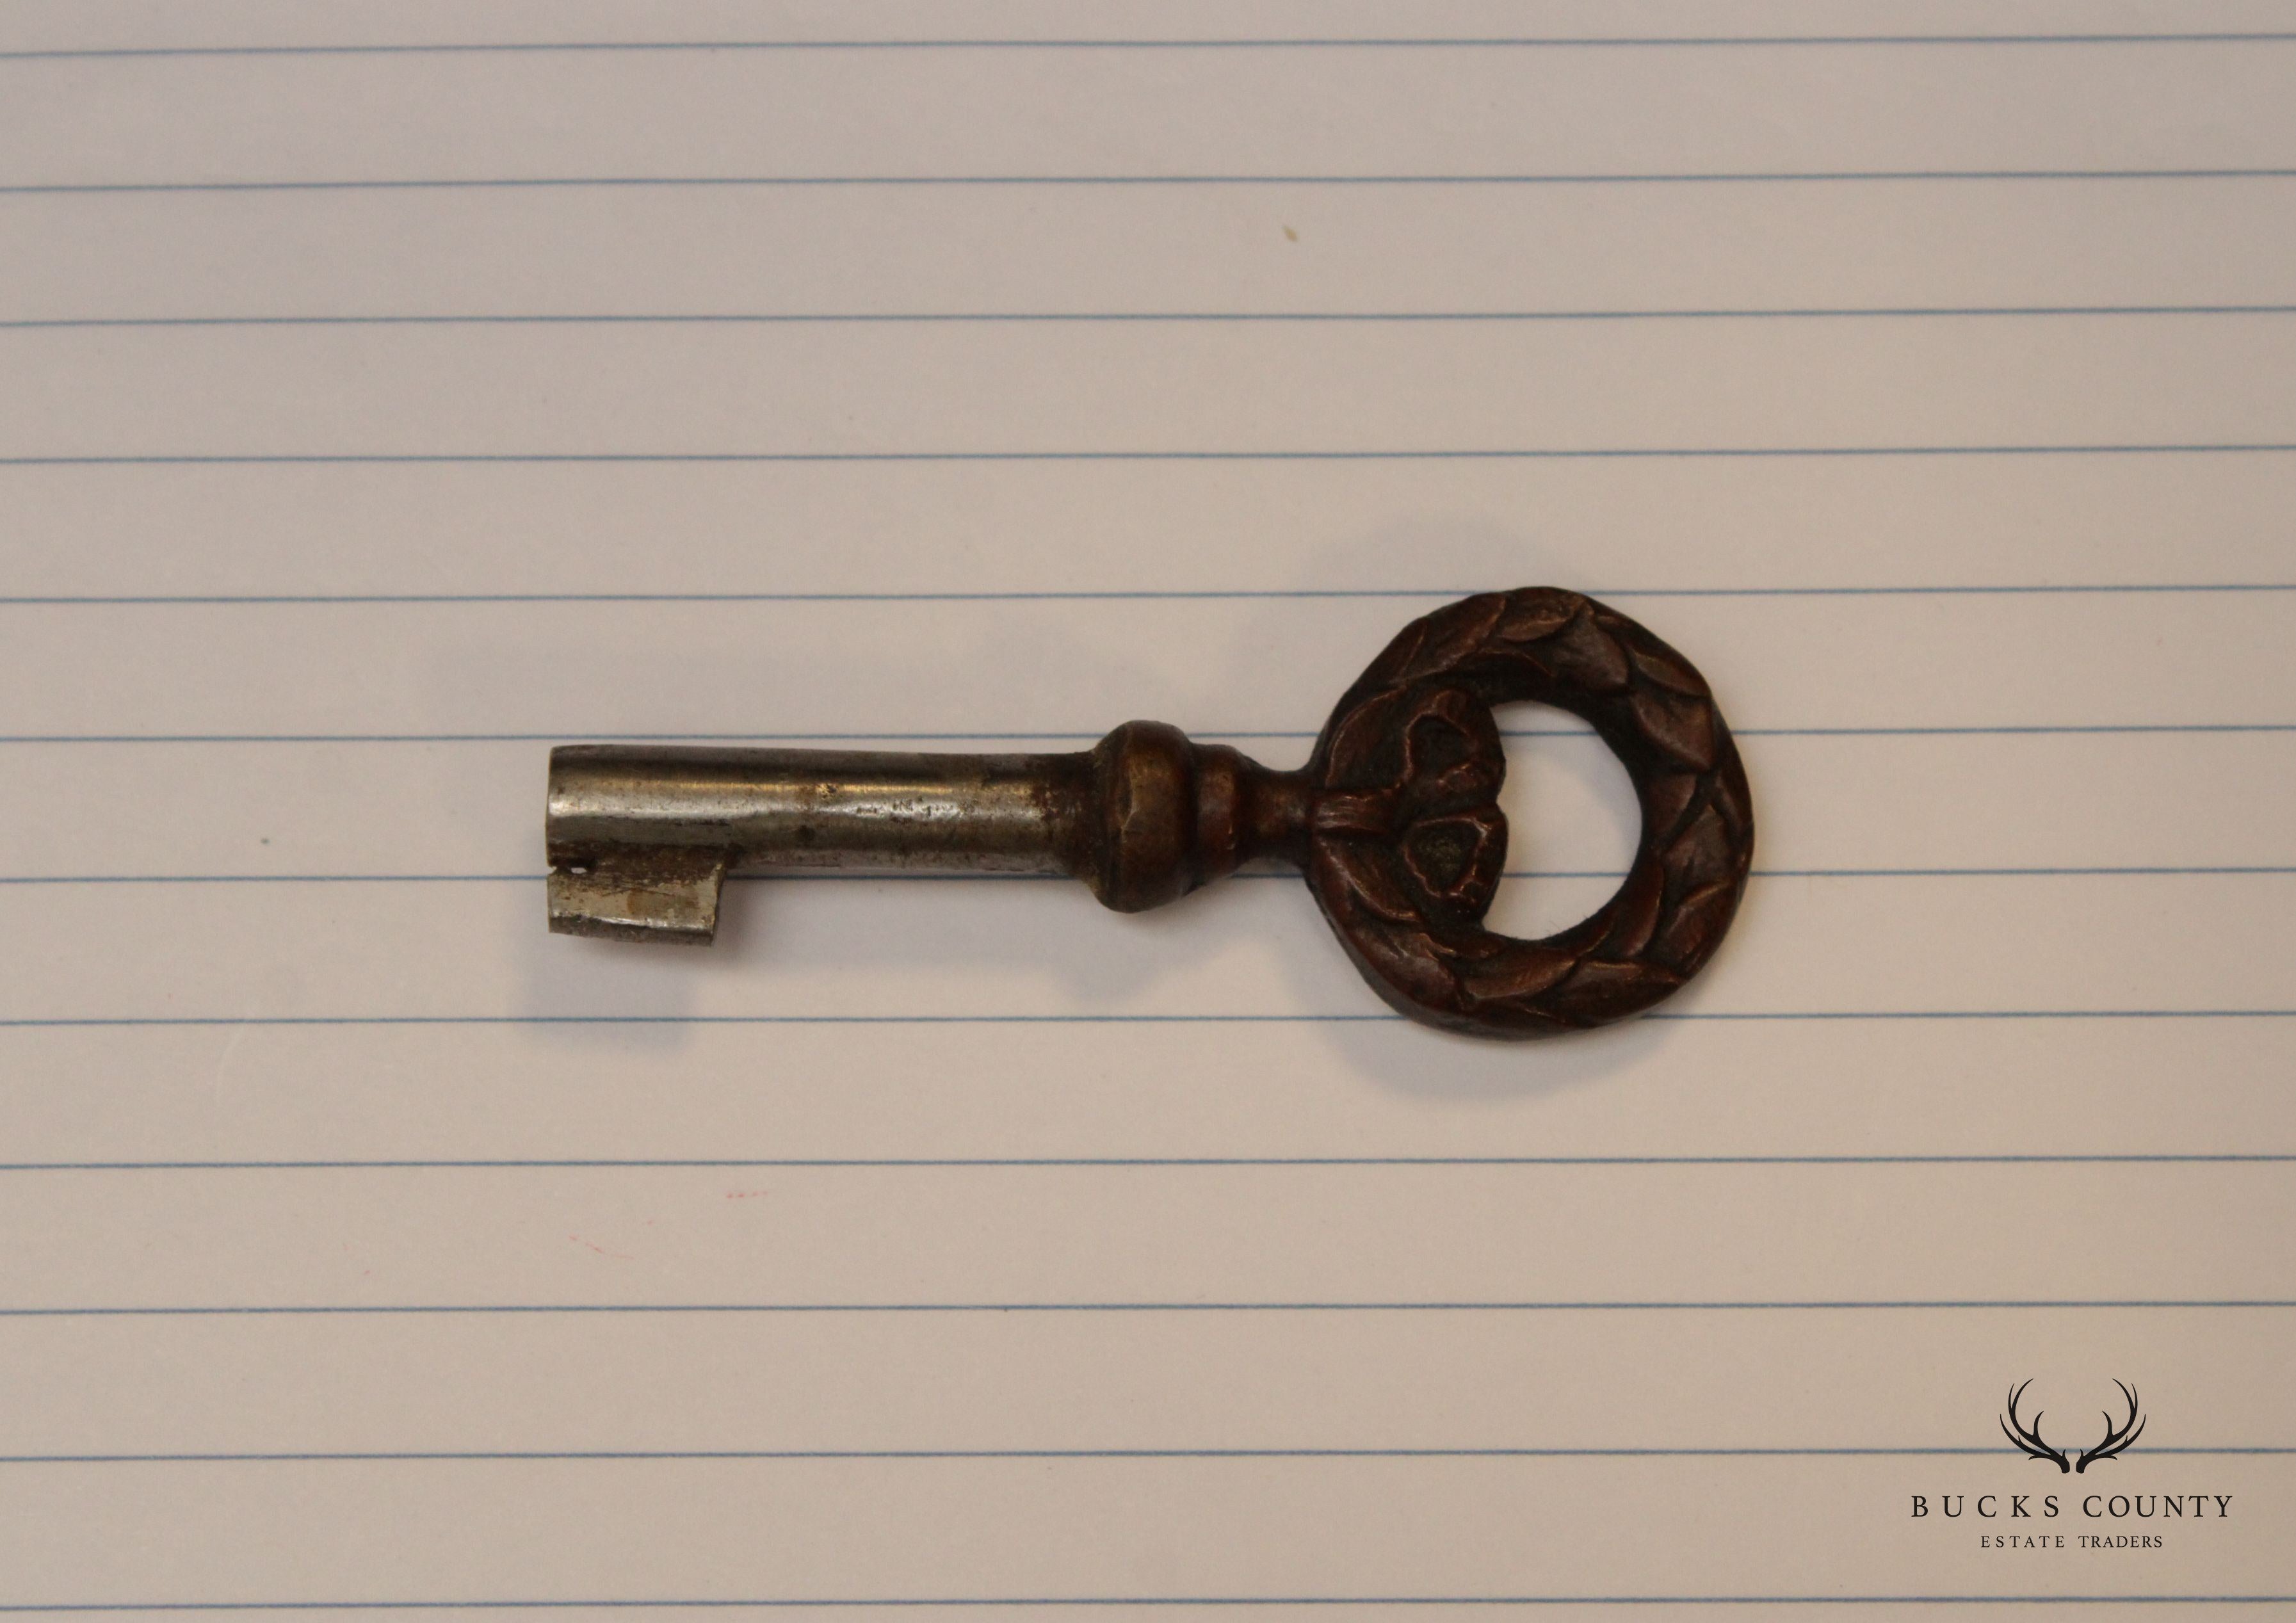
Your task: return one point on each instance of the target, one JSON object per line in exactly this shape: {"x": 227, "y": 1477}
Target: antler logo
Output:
{"x": 2117, "y": 1435}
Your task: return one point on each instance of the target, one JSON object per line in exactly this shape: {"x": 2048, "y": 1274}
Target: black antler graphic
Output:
{"x": 2028, "y": 1439}
{"x": 2117, "y": 1436}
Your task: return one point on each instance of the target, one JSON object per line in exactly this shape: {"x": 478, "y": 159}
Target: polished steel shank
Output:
{"x": 641, "y": 839}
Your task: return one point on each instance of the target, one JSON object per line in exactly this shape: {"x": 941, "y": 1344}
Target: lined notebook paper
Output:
{"x": 393, "y": 393}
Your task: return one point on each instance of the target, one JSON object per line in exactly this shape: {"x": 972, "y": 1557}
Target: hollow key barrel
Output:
{"x": 1394, "y": 818}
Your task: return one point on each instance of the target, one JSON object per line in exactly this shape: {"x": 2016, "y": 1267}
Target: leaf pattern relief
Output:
{"x": 1454, "y": 634}
{"x": 1396, "y": 797}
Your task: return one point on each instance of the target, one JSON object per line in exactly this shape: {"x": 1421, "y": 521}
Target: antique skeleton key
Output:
{"x": 1395, "y": 818}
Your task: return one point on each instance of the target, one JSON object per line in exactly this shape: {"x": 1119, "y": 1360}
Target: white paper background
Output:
{"x": 372, "y": 418}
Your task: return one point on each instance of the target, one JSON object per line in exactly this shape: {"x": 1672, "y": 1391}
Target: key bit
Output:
{"x": 1395, "y": 818}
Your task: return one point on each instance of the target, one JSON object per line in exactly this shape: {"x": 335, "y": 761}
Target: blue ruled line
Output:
{"x": 1013, "y": 1602}
{"x": 1215, "y": 1162}
{"x": 773, "y": 458}
{"x": 1574, "y": 42}
{"x": 603, "y": 1456}
{"x": 739, "y": 182}
{"x": 807, "y": 876}
{"x": 1783, "y": 1017}
{"x": 1097, "y": 318}
{"x": 369, "y": 1311}
{"x": 237, "y": 599}
{"x": 571, "y": 734}
{"x": 1002, "y": 1602}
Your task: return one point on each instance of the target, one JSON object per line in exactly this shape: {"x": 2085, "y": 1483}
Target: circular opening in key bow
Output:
{"x": 1572, "y": 822}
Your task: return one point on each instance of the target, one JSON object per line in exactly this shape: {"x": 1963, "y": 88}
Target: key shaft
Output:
{"x": 641, "y": 839}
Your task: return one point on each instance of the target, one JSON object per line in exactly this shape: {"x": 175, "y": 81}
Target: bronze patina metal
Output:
{"x": 1395, "y": 818}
